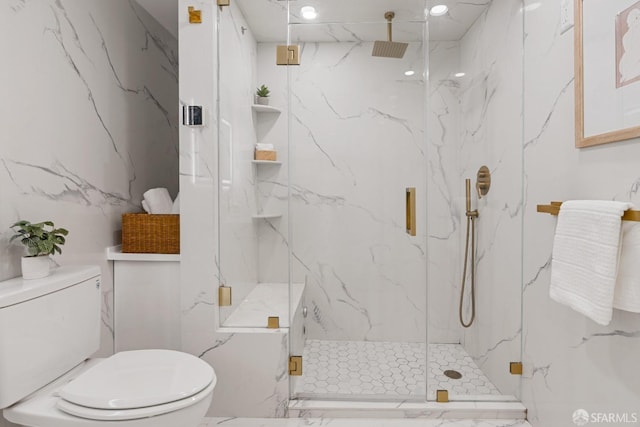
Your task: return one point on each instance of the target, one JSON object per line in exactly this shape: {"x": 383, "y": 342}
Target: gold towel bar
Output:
{"x": 554, "y": 208}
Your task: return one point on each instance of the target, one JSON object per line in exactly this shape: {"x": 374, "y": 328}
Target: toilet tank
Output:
{"x": 47, "y": 326}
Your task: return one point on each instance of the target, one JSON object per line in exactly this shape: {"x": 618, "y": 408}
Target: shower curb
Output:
{"x": 363, "y": 409}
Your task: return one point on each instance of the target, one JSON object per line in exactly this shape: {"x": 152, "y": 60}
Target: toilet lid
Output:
{"x": 140, "y": 378}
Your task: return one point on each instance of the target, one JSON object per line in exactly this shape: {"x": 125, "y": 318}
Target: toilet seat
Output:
{"x": 137, "y": 384}
{"x": 131, "y": 414}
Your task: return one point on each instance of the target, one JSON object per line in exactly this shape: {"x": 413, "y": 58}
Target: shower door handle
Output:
{"x": 411, "y": 210}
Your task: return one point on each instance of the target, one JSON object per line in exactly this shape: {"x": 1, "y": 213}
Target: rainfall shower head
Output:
{"x": 389, "y": 49}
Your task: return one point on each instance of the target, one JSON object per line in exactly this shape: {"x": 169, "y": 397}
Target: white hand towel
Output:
{"x": 158, "y": 200}
{"x": 627, "y": 291}
{"x": 145, "y": 206}
{"x": 264, "y": 147}
{"x": 585, "y": 256}
{"x": 176, "y": 205}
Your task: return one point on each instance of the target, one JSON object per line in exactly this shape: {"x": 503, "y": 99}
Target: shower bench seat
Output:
{"x": 266, "y": 300}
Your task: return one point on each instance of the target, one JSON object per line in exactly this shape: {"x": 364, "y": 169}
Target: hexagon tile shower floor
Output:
{"x": 387, "y": 369}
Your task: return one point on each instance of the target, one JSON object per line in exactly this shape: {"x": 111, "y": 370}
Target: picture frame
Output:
{"x": 607, "y": 77}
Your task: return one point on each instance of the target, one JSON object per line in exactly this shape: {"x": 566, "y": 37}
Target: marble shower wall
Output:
{"x": 357, "y": 141}
{"x": 570, "y": 362}
{"x": 491, "y": 134}
{"x": 445, "y": 211}
{"x": 272, "y": 181}
{"x": 89, "y": 122}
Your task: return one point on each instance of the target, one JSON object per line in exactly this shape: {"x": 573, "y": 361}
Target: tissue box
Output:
{"x": 265, "y": 155}
{"x": 150, "y": 233}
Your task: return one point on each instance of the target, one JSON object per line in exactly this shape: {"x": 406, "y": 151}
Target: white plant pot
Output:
{"x": 35, "y": 267}
{"x": 262, "y": 100}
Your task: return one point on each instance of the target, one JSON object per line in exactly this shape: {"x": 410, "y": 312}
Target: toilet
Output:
{"x": 48, "y": 330}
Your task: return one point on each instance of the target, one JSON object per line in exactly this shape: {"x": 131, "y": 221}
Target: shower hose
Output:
{"x": 470, "y": 225}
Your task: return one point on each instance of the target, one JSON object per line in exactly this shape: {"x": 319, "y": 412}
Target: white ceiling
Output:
{"x": 341, "y": 20}
{"x": 336, "y": 18}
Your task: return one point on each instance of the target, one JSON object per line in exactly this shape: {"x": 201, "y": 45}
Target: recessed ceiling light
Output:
{"x": 409, "y": 73}
{"x": 460, "y": 74}
{"x": 439, "y": 10}
{"x": 309, "y": 12}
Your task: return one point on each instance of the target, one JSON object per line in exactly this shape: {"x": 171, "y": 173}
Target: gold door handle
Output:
{"x": 411, "y": 211}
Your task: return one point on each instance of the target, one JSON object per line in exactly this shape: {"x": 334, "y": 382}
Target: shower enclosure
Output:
{"x": 353, "y": 236}
{"x": 356, "y": 146}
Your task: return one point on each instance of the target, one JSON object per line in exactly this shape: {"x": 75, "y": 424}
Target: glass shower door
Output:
{"x": 475, "y": 117}
{"x": 357, "y": 159}
{"x": 238, "y": 249}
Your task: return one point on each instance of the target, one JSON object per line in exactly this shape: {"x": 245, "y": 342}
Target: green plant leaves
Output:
{"x": 263, "y": 91}
{"x": 38, "y": 239}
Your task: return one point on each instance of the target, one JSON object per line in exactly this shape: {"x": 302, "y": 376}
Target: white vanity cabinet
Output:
{"x": 146, "y": 300}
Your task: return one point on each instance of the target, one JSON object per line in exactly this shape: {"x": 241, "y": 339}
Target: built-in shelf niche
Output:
{"x": 267, "y": 120}
{"x": 266, "y": 162}
{"x": 271, "y": 215}
{"x": 265, "y": 109}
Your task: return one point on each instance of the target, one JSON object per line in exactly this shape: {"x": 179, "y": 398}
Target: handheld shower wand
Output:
{"x": 483, "y": 183}
{"x": 469, "y": 213}
{"x": 471, "y": 217}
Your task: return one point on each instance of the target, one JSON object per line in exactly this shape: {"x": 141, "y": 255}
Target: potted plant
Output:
{"x": 40, "y": 240}
{"x": 262, "y": 95}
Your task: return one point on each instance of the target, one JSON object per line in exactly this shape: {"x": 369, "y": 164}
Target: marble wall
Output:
{"x": 570, "y": 362}
{"x": 491, "y": 133}
{"x": 89, "y": 123}
{"x": 273, "y": 180}
{"x": 445, "y": 211}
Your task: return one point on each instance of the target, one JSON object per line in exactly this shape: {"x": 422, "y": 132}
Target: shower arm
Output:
{"x": 389, "y": 16}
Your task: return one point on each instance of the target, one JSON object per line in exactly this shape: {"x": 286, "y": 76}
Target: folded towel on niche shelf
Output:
{"x": 264, "y": 147}
{"x": 627, "y": 291}
{"x": 585, "y": 256}
{"x": 158, "y": 201}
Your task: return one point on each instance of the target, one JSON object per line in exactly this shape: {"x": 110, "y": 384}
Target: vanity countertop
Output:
{"x": 114, "y": 253}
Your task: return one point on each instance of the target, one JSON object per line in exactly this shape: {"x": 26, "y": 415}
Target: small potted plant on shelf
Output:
{"x": 40, "y": 240}
{"x": 262, "y": 95}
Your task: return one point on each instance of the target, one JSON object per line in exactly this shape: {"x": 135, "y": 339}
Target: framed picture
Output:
{"x": 607, "y": 68}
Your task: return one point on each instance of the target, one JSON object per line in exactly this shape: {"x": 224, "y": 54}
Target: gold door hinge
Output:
{"x": 442, "y": 396}
{"x": 195, "y": 16}
{"x": 288, "y": 55}
{"x": 295, "y": 365}
{"x": 224, "y": 296}
{"x": 273, "y": 322}
{"x": 224, "y": 3}
{"x": 515, "y": 368}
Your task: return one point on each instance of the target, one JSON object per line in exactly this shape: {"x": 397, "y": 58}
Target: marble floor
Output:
{"x": 386, "y": 370}
{"x": 356, "y": 422}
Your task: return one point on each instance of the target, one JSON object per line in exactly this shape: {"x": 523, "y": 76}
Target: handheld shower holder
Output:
{"x": 470, "y": 213}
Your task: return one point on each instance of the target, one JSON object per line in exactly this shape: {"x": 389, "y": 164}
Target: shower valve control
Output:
{"x": 483, "y": 181}
{"x": 192, "y": 115}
